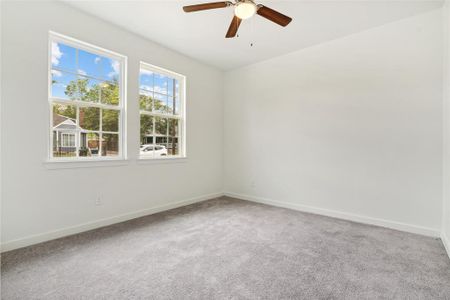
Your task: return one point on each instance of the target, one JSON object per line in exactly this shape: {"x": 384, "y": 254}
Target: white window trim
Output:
{"x": 122, "y": 107}
{"x": 181, "y": 116}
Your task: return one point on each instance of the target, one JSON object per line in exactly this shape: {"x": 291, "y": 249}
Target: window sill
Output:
{"x": 70, "y": 164}
{"x": 166, "y": 160}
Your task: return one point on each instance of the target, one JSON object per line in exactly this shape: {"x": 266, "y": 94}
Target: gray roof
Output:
{"x": 64, "y": 123}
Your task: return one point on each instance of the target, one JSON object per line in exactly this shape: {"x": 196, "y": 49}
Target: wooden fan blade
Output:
{"x": 205, "y": 6}
{"x": 234, "y": 26}
{"x": 273, "y": 15}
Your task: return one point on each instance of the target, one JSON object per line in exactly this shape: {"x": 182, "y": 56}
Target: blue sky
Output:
{"x": 104, "y": 68}
{"x": 90, "y": 64}
{"x": 150, "y": 81}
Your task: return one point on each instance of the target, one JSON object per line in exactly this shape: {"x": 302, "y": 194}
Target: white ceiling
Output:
{"x": 201, "y": 35}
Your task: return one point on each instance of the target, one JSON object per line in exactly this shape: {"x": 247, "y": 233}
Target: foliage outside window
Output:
{"x": 161, "y": 104}
{"x": 86, "y": 101}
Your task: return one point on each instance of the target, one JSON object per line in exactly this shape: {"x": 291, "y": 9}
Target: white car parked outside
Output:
{"x": 149, "y": 150}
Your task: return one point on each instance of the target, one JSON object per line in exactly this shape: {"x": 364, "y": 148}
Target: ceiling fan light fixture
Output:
{"x": 245, "y": 9}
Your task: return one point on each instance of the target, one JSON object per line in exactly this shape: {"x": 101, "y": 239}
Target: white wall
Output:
{"x": 38, "y": 203}
{"x": 445, "y": 234}
{"x": 351, "y": 127}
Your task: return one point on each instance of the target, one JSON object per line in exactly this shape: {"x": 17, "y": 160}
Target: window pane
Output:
{"x": 177, "y": 106}
{"x": 87, "y": 64}
{"x": 89, "y": 89}
{"x": 160, "y": 84}
{"x": 109, "y": 92}
{"x": 64, "y": 130}
{"x": 64, "y": 117}
{"x": 177, "y": 90}
{"x": 172, "y": 86}
{"x": 63, "y": 57}
{"x": 64, "y": 85}
{"x": 160, "y": 102}
{"x": 89, "y": 118}
{"x": 160, "y": 146}
{"x": 110, "y": 144}
{"x": 160, "y": 126}
{"x": 109, "y": 68}
{"x": 173, "y": 146}
{"x": 145, "y": 100}
{"x": 146, "y": 133}
{"x": 172, "y": 143}
{"x": 66, "y": 149}
{"x": 146, "y": 80}
{"x": 89, "y": 144}
{"x": 110, "y": 120}
{"x": 173, "y": 106}
{"x": 161, "y": 136}
{"x": 173, "y": 127}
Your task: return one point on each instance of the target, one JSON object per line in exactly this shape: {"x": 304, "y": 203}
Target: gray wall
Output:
{"x": 351, "y": 127}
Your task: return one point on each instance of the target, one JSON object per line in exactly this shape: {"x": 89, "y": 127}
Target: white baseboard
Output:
{"x": 341, "y": 215}
{"x": 446, "y": 241}
{"x": 51, "y": 235}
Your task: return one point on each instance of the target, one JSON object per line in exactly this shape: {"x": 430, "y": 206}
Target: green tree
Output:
{"x": 108, "y": 93}
{"x": 68, "y": 111}
{"x": 104, "y": 92}
{"x": 146, "y": 127}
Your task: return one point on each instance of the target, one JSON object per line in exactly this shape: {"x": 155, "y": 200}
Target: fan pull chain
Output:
{"x": 252, "y": 28}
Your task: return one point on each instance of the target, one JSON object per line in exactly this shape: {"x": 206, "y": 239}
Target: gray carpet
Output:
{"x": 230, "y": 249}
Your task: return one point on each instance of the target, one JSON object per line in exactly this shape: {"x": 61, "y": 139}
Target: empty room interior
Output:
{"x": 242, "y": 149}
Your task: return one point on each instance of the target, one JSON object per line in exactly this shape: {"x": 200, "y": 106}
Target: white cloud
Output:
{"x": 82, "y": 72}
{"x": 145, "y": 87}
{"x": 97, "y": 60}
{"x": 56, "y": 54}
{"x": 115, "y": 65}
{"x": 160, "y": 90}
{"x": 61, "y": 85}
{"x": 56, "y": 73}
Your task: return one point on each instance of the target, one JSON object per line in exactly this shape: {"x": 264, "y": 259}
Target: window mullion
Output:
{"x": 154, "y": 135}
{"x": 101, "y": 132}
{"x": 78, "y": 134}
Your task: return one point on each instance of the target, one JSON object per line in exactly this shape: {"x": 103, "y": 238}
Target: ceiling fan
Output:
{"x": 243, "y": 9}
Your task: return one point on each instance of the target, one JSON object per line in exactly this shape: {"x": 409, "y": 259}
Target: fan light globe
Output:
{"x": 245, "y": 10}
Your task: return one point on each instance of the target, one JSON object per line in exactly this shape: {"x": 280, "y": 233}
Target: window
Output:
{"x": 68, "y": 140}
{"x": 87, "y": 101}
{"x": 162, "y": 118}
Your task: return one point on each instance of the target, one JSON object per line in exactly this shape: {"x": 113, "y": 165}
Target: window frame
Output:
{"x": 121, "y": 107}
{"x": 181, "y": 116}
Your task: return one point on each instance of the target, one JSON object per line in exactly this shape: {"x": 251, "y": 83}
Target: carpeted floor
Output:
{"x": 230, "y": 249}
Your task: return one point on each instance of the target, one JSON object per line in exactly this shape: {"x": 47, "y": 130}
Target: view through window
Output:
{"x": 85, "y": 96}
{"x": 161, "y": 102}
